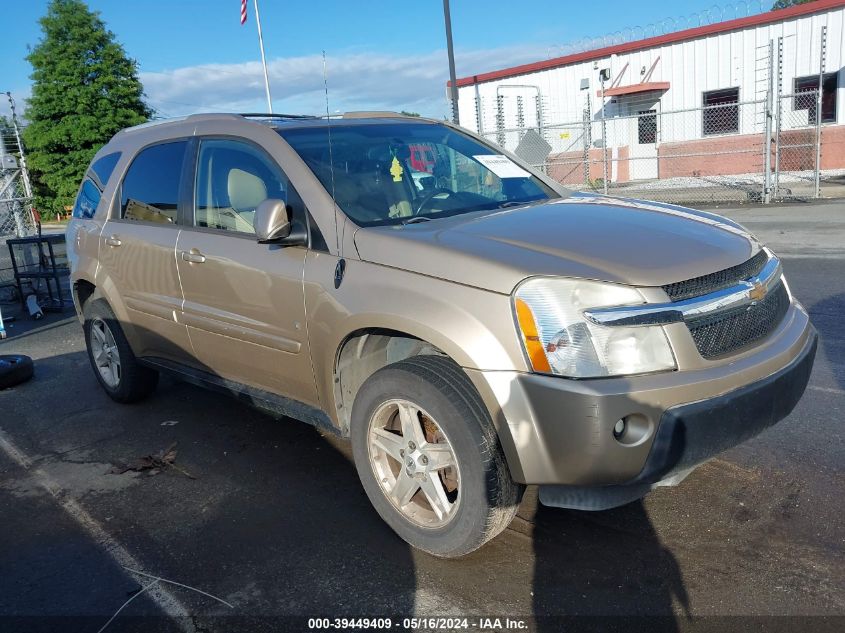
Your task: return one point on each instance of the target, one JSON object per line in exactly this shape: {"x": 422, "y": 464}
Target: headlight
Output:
{"x": 558, "y": 339}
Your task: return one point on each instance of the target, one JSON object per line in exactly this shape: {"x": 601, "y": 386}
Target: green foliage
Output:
{"x": 84, "y": 90}
{"x": 595, "y": 183}
{"x": 406, "y": 113}
{"x": 785, "y": 4}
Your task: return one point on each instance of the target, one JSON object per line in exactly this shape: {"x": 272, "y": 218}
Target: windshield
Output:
{"x": 410, "y": 172}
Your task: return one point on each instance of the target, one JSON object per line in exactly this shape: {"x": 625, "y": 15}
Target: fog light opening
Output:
{"x": 619, "y": 428}
{"x": 632, "y": 429}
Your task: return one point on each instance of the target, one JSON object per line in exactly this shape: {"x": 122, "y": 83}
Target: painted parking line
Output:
{"x": 166, "y": 601}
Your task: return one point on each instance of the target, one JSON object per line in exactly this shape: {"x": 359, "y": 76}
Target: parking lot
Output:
{"x": 268, "y": 517}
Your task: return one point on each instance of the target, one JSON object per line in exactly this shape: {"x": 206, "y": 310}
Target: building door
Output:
{"x": 643, "y": 163}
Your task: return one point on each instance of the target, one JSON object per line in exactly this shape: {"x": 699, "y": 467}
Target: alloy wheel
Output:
{"x": 105, "y": 353}
{"x": 414, "y": 463}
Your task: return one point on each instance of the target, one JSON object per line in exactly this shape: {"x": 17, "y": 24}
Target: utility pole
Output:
{"x": 453, "y": 85}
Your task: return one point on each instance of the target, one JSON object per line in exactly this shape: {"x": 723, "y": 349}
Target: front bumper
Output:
{"x": 559, "y": 432}
{"x": 690, "y": 434}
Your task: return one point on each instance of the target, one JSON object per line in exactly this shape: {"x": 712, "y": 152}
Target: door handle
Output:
{"x": 193, "y": 256}
{"x": 113, "y": 240}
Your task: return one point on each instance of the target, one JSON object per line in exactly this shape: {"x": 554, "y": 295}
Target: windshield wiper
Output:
{"x": 415, "y": 220}
{"x": 513, "y": 203}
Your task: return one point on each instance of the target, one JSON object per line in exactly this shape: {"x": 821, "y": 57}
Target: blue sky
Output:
{"x": 194, "y": 55}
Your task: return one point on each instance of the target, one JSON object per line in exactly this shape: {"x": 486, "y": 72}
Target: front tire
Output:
{"x": 429, "y": 458}
{"x": 117, "y": 370}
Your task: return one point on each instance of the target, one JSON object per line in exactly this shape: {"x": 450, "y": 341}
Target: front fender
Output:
{"x": 474, "y": 327}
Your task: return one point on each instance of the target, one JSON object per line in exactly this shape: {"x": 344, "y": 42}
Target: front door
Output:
{"x": 244, "y": 301}
{"x": 137, "y": 246}
{"x": 644, "y": 146}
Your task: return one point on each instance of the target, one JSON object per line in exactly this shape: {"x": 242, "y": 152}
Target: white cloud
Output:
{"x": 357, "y": 81}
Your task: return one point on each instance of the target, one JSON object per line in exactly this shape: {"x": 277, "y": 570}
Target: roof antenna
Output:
{"x": 331, "y": 161}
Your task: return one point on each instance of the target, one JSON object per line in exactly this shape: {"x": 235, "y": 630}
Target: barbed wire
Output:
{"x": 712, "y": 15}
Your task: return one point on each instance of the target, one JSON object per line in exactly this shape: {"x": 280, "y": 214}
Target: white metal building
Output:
{"x": 698, "y": 93}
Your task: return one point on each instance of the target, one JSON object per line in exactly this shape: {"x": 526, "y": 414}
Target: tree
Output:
{"x": 84, "y": 90}
{"x": 785, "y": 4}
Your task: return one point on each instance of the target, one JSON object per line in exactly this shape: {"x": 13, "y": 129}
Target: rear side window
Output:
{"x": 87, "y": 200}
{"x": 103, "y": 168}
{"x": 150, "y": 191}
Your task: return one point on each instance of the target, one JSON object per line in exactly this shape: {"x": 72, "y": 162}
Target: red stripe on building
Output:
{"x": 818, "y": 6}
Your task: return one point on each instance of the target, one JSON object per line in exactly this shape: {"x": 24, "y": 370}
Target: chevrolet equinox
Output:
{"x": 469, "y": 324}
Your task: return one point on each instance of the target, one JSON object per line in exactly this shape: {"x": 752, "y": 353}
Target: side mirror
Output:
{"x": 272, "y": 221}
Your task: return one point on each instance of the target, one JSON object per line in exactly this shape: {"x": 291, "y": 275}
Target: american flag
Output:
{"x": 243, "y": 11}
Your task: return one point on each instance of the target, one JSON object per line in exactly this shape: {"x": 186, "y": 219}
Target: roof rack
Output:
{"x": 374, "y": 114}
{"x": 260, "y": 115}
{"x": 154, "y": 123}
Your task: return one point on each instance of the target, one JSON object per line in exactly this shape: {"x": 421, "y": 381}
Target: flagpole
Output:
{"x": 263, "y": 59}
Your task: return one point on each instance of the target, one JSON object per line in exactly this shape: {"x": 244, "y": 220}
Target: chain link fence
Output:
{"x": 16, "y": 217}
{"x": 781, "y": 143}
{"x": 633, "y": 148}
{"x": 806, "y": 147}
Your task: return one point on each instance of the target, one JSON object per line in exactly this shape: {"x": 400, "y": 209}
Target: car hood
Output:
{"x": 591, "y": 237}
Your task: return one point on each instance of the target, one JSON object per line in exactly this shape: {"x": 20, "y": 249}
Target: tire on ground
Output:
{"x": 489, "y": 497}
{"x": 136, "y": 381}
{"x": 14, "y": 369}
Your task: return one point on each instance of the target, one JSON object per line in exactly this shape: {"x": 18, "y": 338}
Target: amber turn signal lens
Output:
{"x": 533, "y": 345}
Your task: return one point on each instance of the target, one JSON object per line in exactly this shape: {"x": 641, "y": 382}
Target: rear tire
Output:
{"x": 14, "y": 369}
{"x": 117, "y": 369}
{"x": 477, "y": 498}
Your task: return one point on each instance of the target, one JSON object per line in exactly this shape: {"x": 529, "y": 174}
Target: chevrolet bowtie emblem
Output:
{"x": 757, "y": 291}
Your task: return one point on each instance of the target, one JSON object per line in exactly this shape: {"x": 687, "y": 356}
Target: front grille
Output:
{"x": 706, "y": 284}
{"x": 719, "y": 334}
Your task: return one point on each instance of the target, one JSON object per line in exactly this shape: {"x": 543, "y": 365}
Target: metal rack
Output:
{"x": 39, "y": 257}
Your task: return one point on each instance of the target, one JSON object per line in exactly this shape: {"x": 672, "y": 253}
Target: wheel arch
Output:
{"x": 365, "y": 350}
{"x": 83, "y": 290}
{"x": 361, "y": 353}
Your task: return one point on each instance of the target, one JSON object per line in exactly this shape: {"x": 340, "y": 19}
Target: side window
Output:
{"x": 150, "y": 191}
{"x": 720, "y": 114}
{"x": 233, "y": 178}
{"x": 104, "y": 167}
{"x": 806, "y": 97}
{"x": 87, "y": 200}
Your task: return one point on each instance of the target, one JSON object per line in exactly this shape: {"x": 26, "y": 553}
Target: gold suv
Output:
{"x": 469, "y": 324}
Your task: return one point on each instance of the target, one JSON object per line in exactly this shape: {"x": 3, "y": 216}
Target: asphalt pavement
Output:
{"x": 266, "y": 516}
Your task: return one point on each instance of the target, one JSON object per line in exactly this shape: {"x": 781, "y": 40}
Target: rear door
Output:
{"x": 244, "y": 301}
{"x": 137, "y": 252}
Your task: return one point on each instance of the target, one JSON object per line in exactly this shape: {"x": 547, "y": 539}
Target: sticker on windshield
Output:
{"x": 502, "y": 166}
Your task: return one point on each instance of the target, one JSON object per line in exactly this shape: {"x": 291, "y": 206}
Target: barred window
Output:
{"x": 805, "y": 98}
{"x": 647, "y": 127}
{"x": 721, "y": 111}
